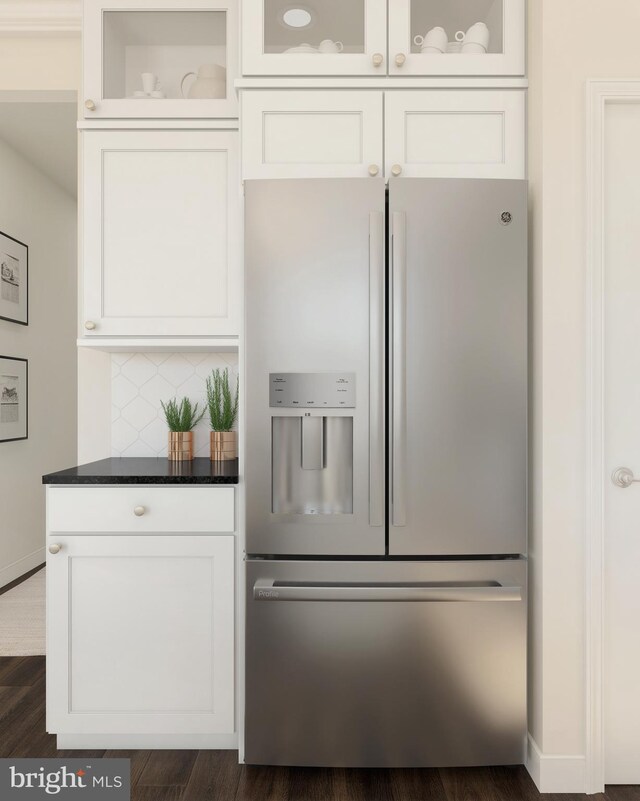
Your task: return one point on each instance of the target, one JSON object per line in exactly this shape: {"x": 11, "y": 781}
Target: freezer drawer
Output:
{"x": 416, "y": 664}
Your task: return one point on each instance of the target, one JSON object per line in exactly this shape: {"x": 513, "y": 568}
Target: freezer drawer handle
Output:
{"x": 269, "y": 590}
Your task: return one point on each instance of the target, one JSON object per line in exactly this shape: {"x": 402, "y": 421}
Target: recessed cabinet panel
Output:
{"x": 301, "y": 134}
{"x": 162, "y": 61}
{"x": 322, "y": 37}
{"x": 161, "y": 233}
{"x": 455, "y": 134}
{"x": 457, "y": 37}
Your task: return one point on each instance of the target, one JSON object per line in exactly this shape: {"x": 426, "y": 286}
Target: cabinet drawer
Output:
{"x": 160, "y": 509}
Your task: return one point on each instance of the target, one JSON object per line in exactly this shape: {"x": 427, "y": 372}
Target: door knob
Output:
{"x": 90, "y": 325}
{"x": 396, "y": 170}
{"x": 139, "y": 511}
{"x": 400, "y": 59}
{"x": 623, "y": 477}
{"x": 55, "y": 548}
{"x": 89, "y": 105}
{"x": 377, "y": 59}
{"x": 374, "y": 170}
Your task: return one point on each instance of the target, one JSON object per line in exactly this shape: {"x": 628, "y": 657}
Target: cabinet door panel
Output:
{"x": 161, "y": 233}
{"x": 296, "y": 134}
{"x": 456, "y": 134}
{"x": 141, "y": 635}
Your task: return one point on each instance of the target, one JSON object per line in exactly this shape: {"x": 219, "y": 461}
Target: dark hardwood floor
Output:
{"x": 216, "y": 775}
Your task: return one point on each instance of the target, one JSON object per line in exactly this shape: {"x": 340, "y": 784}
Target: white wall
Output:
{"x": 36, "y": 211}
{"x": 40, "y": 62}
{"x": 570, "y": 41}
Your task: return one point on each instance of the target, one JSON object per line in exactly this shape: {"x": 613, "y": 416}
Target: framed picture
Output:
{"x": 14, "y": 399}
{"x": 14, "y": 280}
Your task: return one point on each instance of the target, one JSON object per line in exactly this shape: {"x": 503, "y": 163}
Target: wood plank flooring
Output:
{"x": 216, "y": 775}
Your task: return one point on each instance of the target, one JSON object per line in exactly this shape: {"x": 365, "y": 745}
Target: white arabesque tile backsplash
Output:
{"x": 139, "y": 381}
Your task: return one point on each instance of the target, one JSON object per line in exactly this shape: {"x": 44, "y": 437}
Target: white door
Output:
{"x": 124, "y": 40}
{"x": 455, "y": 134}
{"x": 162, "y": 233}
{"x": 319, "y": 134}
{"x": 498, "y": 49}
{"x": 140, "y": 635}
{"x": 622, "y": 443}
{"x": 334, "y": 37}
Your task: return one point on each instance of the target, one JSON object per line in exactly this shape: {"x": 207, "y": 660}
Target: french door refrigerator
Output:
{"x": 386, "y": 400}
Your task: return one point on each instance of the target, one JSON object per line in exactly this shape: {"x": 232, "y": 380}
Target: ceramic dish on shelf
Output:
{"x": 303, "y": 48}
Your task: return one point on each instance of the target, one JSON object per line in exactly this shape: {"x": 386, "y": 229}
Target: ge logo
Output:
{"x": 505, "y": 218}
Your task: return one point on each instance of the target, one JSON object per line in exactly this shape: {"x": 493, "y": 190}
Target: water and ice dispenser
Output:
{"x": 312, "y": 443}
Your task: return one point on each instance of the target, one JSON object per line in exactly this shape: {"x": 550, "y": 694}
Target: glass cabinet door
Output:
{"x": 157, "y": 60}
{"x": 314, "y": 37}
{"x": 457, "y": 37}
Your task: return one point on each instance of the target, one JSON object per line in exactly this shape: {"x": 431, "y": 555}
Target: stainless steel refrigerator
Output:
{"x": 386, "y": 481}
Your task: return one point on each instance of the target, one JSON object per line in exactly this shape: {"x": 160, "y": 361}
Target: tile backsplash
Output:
{"x": 139, "y": 381}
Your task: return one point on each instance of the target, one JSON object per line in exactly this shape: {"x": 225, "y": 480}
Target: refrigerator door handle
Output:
{"x": 489, "y": 592}
{"x": 399, "y": 370}
{"x": 376, "y": 368}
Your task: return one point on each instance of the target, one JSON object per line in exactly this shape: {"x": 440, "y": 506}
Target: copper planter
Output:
{"x": 180, "y": 447}
{"x": 224, "y": 445}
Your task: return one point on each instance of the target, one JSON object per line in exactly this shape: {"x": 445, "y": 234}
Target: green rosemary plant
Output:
{"x": 181, "y": 416}
{"x": 222, "y": 403}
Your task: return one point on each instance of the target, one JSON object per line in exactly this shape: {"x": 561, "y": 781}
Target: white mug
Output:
{"x": 329, "y": 46}
{"x": 149, "y": 81}
{"x": 436, "y": 37}
{"x": 478, "y": 34}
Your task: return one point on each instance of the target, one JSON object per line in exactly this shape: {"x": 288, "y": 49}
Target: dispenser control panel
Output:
{"x": 312, "y": 390}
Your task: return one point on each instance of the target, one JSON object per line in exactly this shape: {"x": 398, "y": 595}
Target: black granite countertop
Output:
{"x": 130, "y": 470}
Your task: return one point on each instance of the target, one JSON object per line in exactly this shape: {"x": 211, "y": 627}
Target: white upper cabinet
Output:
{"x": 162, "y": 233}
{"x": 457, "y": 37}
{"x": 320, "y": 37}
{"x": 160, "y": 59}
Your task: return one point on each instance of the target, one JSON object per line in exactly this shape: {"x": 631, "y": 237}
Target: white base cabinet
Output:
{"x": 140, "y": 637}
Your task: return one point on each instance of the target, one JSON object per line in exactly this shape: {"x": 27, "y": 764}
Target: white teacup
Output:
{"x": 471, "y": 48}
{"x": 436, "y": 37}
{"x": 329, "y": 46}
{"x": 149, "y": 81}
{"x": 478, "y": 34}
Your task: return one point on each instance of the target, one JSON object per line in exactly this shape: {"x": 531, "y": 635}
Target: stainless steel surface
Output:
{"x": 385, "y": 684}
{"x": 465, "y": 352}
{"x": 311, "y": 490}
{"x": 398, "y": 368}
{"x": 312, "y": 442}
{"x": 309, "y": 308}
{"x": 376, "y": 368}
{"x": 623, "y": 477}
{"x": 315, "y": 390}
{"x": 488, "y": 592}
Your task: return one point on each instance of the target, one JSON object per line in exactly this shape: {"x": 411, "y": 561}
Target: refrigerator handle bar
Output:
{"x": 376, "y": 368}
{"x": 398, "y": 367}
{"x": 266, "y": 590}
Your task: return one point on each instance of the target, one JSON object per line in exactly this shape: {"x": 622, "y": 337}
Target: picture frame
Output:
{"x": 14, "y": 280}
{"x": 14, "y": 399}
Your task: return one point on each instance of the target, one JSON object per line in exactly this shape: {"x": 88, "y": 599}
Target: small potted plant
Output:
{"x": 181, "y": 418}
{"x": 223, "y": 411}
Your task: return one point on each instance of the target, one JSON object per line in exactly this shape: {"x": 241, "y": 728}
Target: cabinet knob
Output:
{"x": 55, "y": 548}
{"x": 374, "y": 170}
{"x": 89, "y": 105}
{"x": 139, "y": 511}
{"x": 90, "y": 325}
{"x": 400, "y": 59}
{"x": 396, "y": 170}
{"x": 377, "y": 59}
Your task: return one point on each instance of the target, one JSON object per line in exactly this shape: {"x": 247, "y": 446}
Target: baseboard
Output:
{"x": 171, "y": 742}
{"x": 555, "y": 774}
{"x": 21, "y": 566}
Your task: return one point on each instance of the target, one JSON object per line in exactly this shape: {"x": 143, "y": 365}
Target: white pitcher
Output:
{"x": 210, "y": 83}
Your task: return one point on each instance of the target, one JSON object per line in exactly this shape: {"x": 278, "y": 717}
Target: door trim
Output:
{"x": 600, "y": 93}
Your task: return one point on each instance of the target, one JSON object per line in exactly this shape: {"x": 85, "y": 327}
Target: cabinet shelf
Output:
{"x": 159, "y": 345}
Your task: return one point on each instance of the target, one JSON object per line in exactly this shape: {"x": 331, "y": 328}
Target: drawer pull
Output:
{"x": 139, "y": 511}
{"x": 90, "y": 325}
{"x": 377, "y": 59}
{"x": 400, "y": 59}
{"x": 55, "y": 548}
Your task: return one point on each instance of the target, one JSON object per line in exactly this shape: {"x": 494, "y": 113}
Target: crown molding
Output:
{"x": 46, "y": 17}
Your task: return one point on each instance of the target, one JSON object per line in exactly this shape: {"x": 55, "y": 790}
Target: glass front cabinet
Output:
{"x": 349, "y": 37}
{"x": 160, "y": 59}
